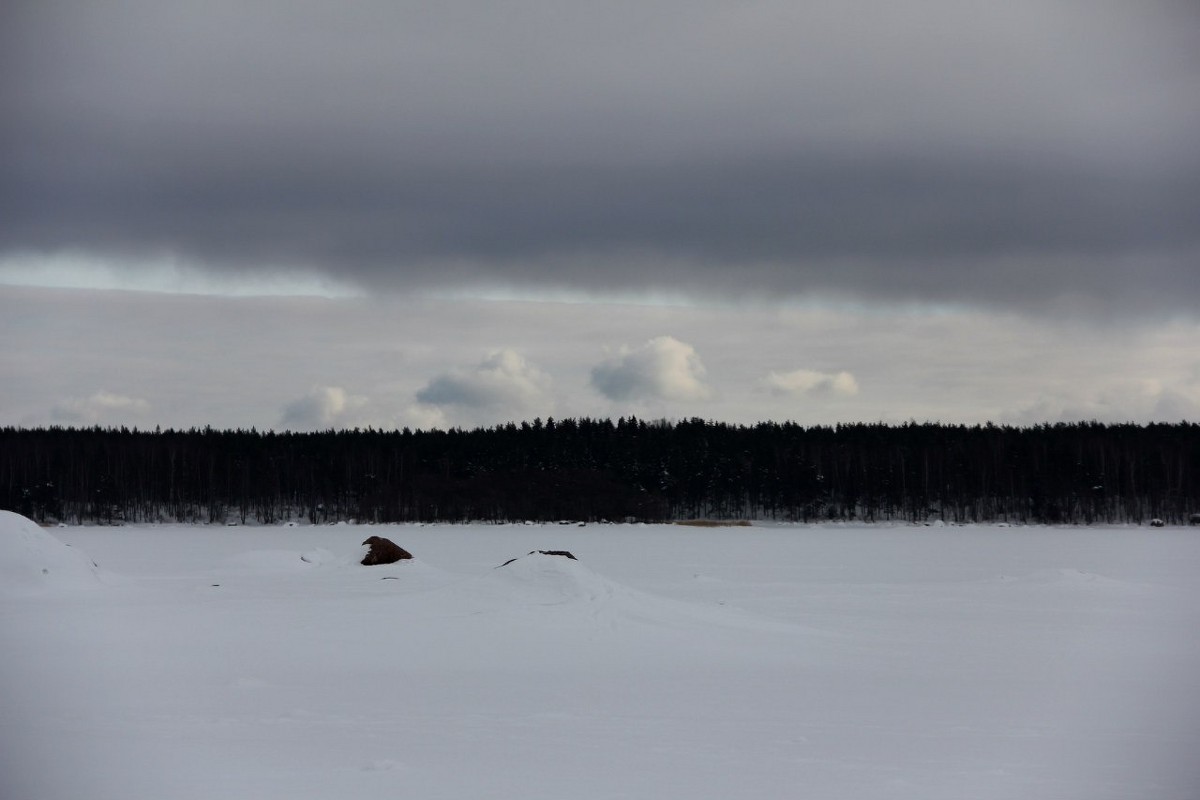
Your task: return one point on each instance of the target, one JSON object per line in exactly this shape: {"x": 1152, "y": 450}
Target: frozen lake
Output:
{"x": 667, "y": 662}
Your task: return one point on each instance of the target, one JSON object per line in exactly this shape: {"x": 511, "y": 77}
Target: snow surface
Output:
{"x": 34, "y": 562}
{"x": 667, "y": 662}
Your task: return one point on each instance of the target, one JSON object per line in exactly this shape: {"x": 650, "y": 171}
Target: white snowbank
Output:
{"x": 874, "y": 663}
{"x": 575, "y": 592}
{"x": 33, "y": 561}
{"x": 554, "y": 579}
{"x": 318, "y": 559}
{"x": 339, "y": 573}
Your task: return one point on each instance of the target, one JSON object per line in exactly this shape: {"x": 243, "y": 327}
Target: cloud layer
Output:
{"x": 183, "y": 361}
{"x": 801, "y": 382}
{"x": 101, "y": 408}
{"x": 1029, "y": 154}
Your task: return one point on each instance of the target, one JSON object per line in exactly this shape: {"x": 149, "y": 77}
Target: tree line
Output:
{"x": 599, "y": 469}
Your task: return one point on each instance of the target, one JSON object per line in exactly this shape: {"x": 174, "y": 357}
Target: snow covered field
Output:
{"x": 667, "y": 662}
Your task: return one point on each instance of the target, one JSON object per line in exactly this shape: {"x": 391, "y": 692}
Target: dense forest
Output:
{"x": 598, "y": 469}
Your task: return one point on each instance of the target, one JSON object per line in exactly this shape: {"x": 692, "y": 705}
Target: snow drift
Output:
{"x": 876, "y": 663}
{"x": 33, "y": 561}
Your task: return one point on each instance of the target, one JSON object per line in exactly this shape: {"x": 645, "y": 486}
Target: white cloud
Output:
{"x": 1174, "y": 405}
{"x": 324, "y": 407}
{"x": 503, "y": 385}
{"x": 101, "y": 407}
{"x": 801, "y": 382}
{"x": 1148, "y": 400}
{"x": 425, "y": 417}
{"x": 162, "y": 272}
{"x": 663, "y": 368}
{"x": 187, "y": 360}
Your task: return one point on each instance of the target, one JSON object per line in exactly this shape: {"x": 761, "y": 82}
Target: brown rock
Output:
{"x": 383, "y": 551}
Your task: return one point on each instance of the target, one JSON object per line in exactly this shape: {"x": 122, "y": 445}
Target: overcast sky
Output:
{"x": 316, "y": 214}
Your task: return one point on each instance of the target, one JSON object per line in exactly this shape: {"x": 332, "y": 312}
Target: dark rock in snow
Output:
{"x": 383, "y": 551}
{"x": 563, "y": 553}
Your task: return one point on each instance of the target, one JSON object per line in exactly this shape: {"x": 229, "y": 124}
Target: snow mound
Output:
{"x": 556, "y": 579}
{"x": 293, "y": 561}
{"x": 349, "y": 567}
{"x": 33, "y": 561}
{"x": 334, "y": 572}
{"x": 566, "y": 586}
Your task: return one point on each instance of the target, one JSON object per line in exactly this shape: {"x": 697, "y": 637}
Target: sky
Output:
{"x": 311, "y": 215}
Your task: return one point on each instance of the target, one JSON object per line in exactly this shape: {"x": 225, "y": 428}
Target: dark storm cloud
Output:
{"x": 948, "y": 151}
